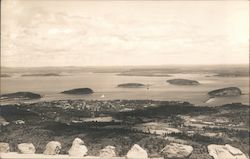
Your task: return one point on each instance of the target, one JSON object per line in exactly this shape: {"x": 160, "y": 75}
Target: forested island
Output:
{"x": 21, "y": 95}
{"x": 79, "y": 91}
{"x": 131, "y": 85}
{"x": 225, "y": 92}
{"x": 43, "y": 75}
{"x": 183, "y": 82}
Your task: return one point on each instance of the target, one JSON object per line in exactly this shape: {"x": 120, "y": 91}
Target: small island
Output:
{"x": 144, "y": 74}
{"x": 225, "y": 92}
{"x": 38, "y": 75}
{"x": 5, "y": 75}
{"x": 131, "y": 85}
{"x": 183, "y": 82}
{"x": 79, "y": 91}
{"x": 21, "y": 95}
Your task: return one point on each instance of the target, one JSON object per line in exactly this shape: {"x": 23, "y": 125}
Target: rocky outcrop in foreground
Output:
{"x": 225, "y": 92}
{"x": 78, "y": 149}
{"x": 175, "y": 151}
{"x": 53, "y": 148}
{"x": 79, "y": 91}
{"x": 183, "y": 82}
{"x": 225, "y": 152}
{"x": 21, "y": 95}
{"x": 131, "y": 85}
{"x": 4, "y": 147}
{"x": 108, "y": 151}
{"x": 26, "y": 148}
{"x": 136, "y": 152}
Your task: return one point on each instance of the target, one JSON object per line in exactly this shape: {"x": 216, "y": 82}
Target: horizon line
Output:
{"x": 233, "y": 64}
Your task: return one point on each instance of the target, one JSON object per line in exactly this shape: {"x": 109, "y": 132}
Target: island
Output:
{"x": 131, "y": 85}
{"x": 21, "y": 95}
{"x": 183, "y": 82}
{"x": 225, "y": 92}
{"x": 144, "y": 74}
{"x": 79, "y": 91}
{"x": 46, "y": 74}
{"x": 5, "y": 75}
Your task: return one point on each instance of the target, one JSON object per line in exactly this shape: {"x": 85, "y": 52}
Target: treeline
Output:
{"x": 163, "y": 111}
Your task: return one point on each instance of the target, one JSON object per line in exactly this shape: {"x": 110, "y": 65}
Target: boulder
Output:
{"x": 4, "y": 147}
{"x": 136, "y": 152}
{"x": 52, "y": 148}
{"x": 176, "y": 151}
{"x": 225, "y": 152}
{"x": 26, "y": 148}
{"x": 108, "y": 151}
{"x": 78, "y": 149}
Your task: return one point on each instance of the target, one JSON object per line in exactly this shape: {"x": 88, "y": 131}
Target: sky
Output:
{"x": 38, "y": 33}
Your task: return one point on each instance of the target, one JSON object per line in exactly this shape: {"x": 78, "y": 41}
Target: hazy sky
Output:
{"x": 87, "y": 33}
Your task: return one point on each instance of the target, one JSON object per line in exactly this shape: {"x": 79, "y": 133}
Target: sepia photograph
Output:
{"x": 124, "y": 79}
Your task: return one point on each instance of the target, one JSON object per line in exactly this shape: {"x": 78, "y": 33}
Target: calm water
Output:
{"x": 106, "y": 84}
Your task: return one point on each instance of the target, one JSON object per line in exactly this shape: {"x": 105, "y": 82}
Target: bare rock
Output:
{"x": 176, "y": 151}
{"x": 4, "y": 147}
{"x": 225, "y": 152}
{"x": 78, "y": 149}
{"x": 136, "y": 152}
{"x": 19, "y": 122}
{"x": 53, "y": 148}
{"x": 5, "y": 123}
{"x": 108, "y": 151}
{"x": 26, "y": 148}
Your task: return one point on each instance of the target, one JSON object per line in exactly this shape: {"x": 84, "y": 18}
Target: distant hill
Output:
{"x": 183, "y": 82}
{"x": 79, "y": 91}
